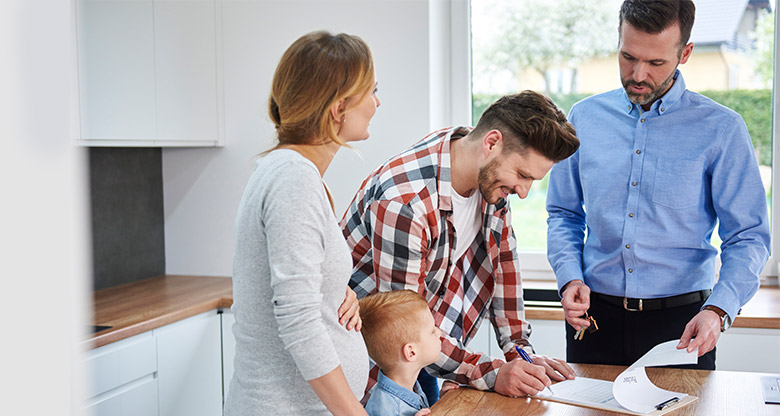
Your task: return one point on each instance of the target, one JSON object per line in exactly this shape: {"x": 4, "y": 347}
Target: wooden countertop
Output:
{"x": 148, "y": 304}
{"x": 719, "y": 393}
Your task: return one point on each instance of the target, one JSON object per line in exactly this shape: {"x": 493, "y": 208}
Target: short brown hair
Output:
{"x": 530, "y": 120}
{"x": 315, "y": 72}
{"x": 653, "y": 16}
{"x": 391, "y": 320}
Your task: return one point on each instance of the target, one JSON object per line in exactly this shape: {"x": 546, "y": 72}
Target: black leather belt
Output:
{"x": 633, "y": 304}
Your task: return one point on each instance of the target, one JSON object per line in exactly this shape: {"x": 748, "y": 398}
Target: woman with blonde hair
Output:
{"x": 297, "y": 351}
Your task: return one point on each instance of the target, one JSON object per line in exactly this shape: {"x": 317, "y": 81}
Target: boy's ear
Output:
{"x": 409, "y": 352}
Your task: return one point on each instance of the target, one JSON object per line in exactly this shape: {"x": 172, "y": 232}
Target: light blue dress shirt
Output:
{"x": 389, "y": 399}
{"x": 645, "y": 191}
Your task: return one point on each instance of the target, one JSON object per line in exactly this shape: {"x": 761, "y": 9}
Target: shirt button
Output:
{"x": 638, "y": 151}
{"x": 633, "y": 183}
{"x": 631, "y": 270}
{"x": 642, "y": 120}
{"x": 441, "y": 292}
{"x": 663, "y": 109}
{"x": 631, "y": 215}
{"x": 628, "y": 245}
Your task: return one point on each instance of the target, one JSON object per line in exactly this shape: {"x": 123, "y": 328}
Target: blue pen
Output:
{"x": 524, "y": 355}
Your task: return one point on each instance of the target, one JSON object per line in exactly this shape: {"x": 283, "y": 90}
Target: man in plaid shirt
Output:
{"x": 435, "y": 220}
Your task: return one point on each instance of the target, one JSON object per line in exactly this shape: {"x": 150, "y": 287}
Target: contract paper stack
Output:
{"x": 631, "y": 392}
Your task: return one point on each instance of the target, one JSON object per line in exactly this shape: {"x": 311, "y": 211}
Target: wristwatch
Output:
{"x": 725, "y": 319}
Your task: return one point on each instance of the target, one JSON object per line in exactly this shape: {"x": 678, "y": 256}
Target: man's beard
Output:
{"x": 487, "y": 181}
{"x": 650, "y": 96}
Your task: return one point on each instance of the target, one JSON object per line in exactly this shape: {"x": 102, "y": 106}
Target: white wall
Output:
{"x": 202, "y": 187}
{"x": 43, "y": 214}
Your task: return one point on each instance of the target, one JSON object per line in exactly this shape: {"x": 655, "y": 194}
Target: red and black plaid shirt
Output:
{"x": 400, "y": 230}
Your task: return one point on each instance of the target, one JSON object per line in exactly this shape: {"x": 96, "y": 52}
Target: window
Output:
{"x": 566, "y": 49}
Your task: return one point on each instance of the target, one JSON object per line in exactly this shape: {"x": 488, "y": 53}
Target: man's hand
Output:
{"x": 555, "y": 368}
{"x": 520, "y": 378}
{"x": 446, "y": 386}
{"x": 349, "y": 311}
{"x": 576, "y": 301}
{"x": 704, "y": 328}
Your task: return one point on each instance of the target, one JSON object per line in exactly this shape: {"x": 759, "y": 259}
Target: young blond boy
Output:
{"x": 401, "y": 338}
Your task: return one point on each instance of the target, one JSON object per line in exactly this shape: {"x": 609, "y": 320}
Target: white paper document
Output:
{"x": 631, "y": 392}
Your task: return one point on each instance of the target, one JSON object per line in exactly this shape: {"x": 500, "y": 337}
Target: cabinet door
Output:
{"x": 186, "y": 71}
{"x": 548, "y": 337}
{"x": 189, "y": 366}
{"x": 116, "y": 69}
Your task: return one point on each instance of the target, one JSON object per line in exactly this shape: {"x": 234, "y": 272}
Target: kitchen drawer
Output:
{"x": 136, "y": 398}
{"x": 120, "y": 363}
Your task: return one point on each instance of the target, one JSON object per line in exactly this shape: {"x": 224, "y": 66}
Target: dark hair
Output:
{"x": 530, "y": 120}
{"x": 653, "y": 16}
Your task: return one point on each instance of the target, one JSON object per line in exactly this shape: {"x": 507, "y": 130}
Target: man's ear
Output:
{"x": 491, "y": 142}
{"x": 686, "y": 52}
{"x": 409, "y": 352}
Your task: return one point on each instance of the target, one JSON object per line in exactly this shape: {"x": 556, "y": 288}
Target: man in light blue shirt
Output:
{"x": 632, "y": 212}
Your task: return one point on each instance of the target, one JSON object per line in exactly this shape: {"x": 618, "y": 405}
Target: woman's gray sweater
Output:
{"x": 290, "y": 274}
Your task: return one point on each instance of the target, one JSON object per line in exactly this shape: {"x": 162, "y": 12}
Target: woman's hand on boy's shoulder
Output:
{"x": 423, "y": 412}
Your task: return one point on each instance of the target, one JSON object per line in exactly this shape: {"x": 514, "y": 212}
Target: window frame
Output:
{"x": 534, "y": 263}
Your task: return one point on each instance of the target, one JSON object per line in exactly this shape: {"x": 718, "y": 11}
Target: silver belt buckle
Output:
{"x": 625, "y": 305}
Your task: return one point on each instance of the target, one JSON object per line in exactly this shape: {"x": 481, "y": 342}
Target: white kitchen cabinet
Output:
{"x": 116, "y": 71}
{"x": 189, "y": 367}
{"x": 138, "y": 399}
{"x": 149, "y": 73}
{"x": 186, "y": 68}
{"x": 122, "y": 378}
{"x": 170, "y": 371}
{"x": 749, "y": 349}
{"x": 547, "y": 338}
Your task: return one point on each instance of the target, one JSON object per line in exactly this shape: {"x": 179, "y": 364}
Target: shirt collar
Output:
{"x": 666, "y": 102}
{"x": 445, "y": 171}
{"x": 409, "y": 397}
{"x": 445, "y": 166}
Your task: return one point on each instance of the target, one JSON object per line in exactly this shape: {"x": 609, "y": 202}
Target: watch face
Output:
{"x": 725, "y": 323}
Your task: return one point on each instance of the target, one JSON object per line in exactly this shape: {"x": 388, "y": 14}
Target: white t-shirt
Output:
{"x": 467, "y": 219}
